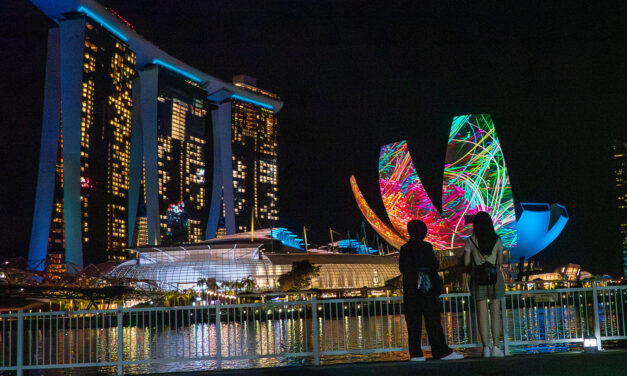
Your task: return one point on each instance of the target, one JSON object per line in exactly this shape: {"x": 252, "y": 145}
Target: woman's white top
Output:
{"x": 478, "y": 257}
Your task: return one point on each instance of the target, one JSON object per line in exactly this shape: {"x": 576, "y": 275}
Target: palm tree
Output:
{"x": 203, "y": 282}
{"x": 249, "y": 283}
{"x": 238, "y": 285}
{"x": 227, "y": 285}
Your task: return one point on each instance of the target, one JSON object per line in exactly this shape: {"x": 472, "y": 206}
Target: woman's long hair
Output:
{"x": 483, "y": 229}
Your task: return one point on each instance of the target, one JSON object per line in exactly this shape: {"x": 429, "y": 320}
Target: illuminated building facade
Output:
{"x": 90, "y": 122}
{"x": 125, "y": 140}
{"x": 619, "y": 149}
{"x": 183, "y": 154}
{"x": 235, "y": 257}
{"x": 255, "y": 170}
{"x": 248, "y": 163}
{"x": 568, "y": 272}
{"x": 475, "y": 179}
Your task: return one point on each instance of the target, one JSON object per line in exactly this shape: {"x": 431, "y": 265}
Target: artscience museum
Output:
{"x": 475, "y": 179}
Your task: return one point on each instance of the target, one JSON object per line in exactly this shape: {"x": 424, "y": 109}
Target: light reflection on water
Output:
{"x": 269, "y": 339}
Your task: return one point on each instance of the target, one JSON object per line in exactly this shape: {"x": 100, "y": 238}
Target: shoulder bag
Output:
{"x": 483, "y": 274}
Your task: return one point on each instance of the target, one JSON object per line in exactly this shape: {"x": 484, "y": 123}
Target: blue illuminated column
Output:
{"x": 222, "y": 171}
{"x": 72, "y": 39}
{"x": 148, "y": 92}
{"x": 136, "y": 162}
{"x": 38, "y": 246}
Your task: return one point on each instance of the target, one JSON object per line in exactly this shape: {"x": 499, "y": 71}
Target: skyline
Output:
{"x": 351, "y": 108}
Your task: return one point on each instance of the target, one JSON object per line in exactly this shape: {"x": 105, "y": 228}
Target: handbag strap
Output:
{"x": 485, "y": 259}
{"x": 477, "y": 247}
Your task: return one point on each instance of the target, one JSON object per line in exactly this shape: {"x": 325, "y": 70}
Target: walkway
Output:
{"x": 606, "y": 363}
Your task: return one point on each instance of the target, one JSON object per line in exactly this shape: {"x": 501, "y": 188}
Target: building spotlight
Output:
{"x": 590, "y": 344}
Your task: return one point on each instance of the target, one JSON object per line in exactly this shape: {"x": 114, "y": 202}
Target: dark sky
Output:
{"x": 357, "y": 75}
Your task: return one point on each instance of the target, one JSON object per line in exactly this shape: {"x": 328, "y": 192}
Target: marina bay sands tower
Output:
{"x": 138, "y": 147}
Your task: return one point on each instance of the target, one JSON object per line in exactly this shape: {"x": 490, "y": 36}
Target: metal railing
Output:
{"x": 214, "y": 335}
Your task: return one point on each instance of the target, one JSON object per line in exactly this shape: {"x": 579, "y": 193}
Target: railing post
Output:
{"x": 597, "y": 324}
{"x": 218, "y": 336}
{"x": 120, "y": 336}
{"x": 314, "y": 329}
{"x": 504, "y": 325}
{"x": 20, "y": 343}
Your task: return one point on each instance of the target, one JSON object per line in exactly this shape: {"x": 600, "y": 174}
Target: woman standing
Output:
{"x": 421, "y": 288}
{"x": 484, "y": 251}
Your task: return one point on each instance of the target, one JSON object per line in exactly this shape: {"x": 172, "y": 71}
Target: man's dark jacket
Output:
{"x": 417, "y": 254}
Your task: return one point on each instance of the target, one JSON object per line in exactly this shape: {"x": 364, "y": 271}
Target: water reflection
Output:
{"x": 189, "y": 339}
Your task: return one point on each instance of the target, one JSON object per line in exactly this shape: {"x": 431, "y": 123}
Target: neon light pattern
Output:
{"x": 379, "y": 226}
{"x": 475, "y": 179}
{"x": 405, "y": 198}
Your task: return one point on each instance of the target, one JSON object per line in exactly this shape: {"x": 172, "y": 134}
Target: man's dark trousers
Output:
{"x": 417, "y": 306}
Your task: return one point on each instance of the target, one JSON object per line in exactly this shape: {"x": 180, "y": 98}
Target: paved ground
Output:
{"x": 606, "y": 363}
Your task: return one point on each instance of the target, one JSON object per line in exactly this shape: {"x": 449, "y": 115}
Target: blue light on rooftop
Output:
{"x": 177, "y": 70}
{"x": 356, "y": 245}
{"x": 288, "y": 238}
{"x": 252, "y": 101}
{"x": 104, "y": 23}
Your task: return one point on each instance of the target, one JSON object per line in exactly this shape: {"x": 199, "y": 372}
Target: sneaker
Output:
{"x": 453, "y": 356}
{"x": 497, "y": 352}
{"x": 487, "y": 352}
{"x": 418, "y": 359}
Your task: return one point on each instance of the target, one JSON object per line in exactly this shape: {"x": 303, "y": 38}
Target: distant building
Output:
{"x": 128, "y": 153}
{"x": 183, "y": 152}
{"x": 249, "y": 167}
{"x": 568, "y": 272}
{"x": 263, "y": 260}
{"x": 88, "y": 118}
{"x": 619, "y": 149}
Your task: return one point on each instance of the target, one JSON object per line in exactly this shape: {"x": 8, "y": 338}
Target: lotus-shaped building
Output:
{"x": 475, "y": 179}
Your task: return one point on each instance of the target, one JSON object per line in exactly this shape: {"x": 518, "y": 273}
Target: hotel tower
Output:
{"x": 138, "y": 147}
{"x": 619, "y": 151}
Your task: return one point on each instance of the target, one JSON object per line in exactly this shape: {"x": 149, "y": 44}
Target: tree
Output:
{"x": 249, "y": 284}
{"x": 175, "y": 298}
{"x": 207, "y": 283}
{"x": 299, "y": 277}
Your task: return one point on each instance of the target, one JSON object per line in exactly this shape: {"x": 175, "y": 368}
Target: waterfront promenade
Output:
{"x": 606, "y": 363}
{"x": 276, "y": 334}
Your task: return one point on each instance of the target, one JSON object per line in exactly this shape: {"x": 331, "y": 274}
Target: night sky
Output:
{"x": 357, "y": 75}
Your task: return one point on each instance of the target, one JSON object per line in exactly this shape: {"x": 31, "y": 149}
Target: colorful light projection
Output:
{"x": 405, "y": 199}
{"x": 379, "y": 226}
{"x": 475, "y": 179}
